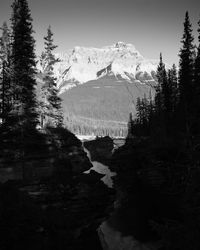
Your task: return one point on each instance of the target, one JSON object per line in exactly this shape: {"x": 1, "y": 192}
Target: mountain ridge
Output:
{"x": 83, "y": 64}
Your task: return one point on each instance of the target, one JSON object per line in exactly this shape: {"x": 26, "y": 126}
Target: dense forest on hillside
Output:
{"x": 103, "y": 106}
{"x": 91, "y": 126}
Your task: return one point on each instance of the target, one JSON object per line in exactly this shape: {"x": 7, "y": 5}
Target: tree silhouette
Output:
{"x": 173, "y": 86}
{"x": 197, "y": 86}
{"x": 186, "y": 75}
{"x": 5, "y": 52}
{"x": 23, "y": 67}
{"x": 51, "y": 107}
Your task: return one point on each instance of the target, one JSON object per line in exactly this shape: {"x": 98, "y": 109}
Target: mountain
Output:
{"x": 100, "y": 86}
{"x": 81, "y": 65}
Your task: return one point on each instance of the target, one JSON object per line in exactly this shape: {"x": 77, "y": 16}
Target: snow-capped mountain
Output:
{"x": 122, "y": 60}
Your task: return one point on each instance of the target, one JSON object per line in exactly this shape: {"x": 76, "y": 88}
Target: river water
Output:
{"x": 110, "y": 238}
{"x": 101, "y": 169}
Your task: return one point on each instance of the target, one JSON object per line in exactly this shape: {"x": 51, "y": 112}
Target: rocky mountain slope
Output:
{"x": 82, "y": 64}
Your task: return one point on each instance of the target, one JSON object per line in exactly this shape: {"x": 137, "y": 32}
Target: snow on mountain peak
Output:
{"x": 122, "y": 45}
{"x": 83, "y": 64}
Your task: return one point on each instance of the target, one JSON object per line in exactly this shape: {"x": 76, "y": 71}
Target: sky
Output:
{"x": 153, "y": 26}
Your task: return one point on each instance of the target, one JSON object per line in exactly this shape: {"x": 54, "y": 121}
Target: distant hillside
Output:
{"x": 103, "y": 105}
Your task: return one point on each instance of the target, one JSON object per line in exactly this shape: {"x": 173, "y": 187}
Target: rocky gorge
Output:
{"x": 52, "y": 204}
{"x": 96, "y": 196}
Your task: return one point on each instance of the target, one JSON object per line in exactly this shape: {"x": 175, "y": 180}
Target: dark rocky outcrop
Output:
{"x": 59, "y": 208}
{"x": 53, "y": 150}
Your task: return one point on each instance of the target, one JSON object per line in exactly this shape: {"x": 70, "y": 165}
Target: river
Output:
{"x": 110, "y": 237}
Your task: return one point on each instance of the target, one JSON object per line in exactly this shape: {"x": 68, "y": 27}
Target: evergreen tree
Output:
{"x": 151, "y": 110}
{"x": 160, "y": 74}
{"x": 197, "y": 63}
{"x": 5, "y": 52}
{"x": 163, "y": 95}
{"x": 173, "y": 86}
{"x": 130, "y": 126}
{"x": 161, "y": 104}
{"x": 197, "y": 84}
{"x": 144, "y": 108}
{"x": 18, "y": 133}
{"x": 51, "y": 103}
{"x": 139, "y": 110}
{"x": 23, "y": 68}
{"x": 166, "y": 94}
{"x": 186, "y": 74}
{"x": 145, "y": 111}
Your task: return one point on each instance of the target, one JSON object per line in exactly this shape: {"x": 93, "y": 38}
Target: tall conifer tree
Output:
{"x": 197, "y": 84}
{"x": 186, "y": 74}
{"x": 161, "y": 77}
{"x": 173, "y": 86}
{"x": 23, "y": 67}
{"x": 5, "y": 51}
{"x": 51, "y": 106}
{"x": 197, "y": 63}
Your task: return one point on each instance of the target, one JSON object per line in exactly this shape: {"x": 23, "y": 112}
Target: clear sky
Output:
{"x": 153, "y": 26}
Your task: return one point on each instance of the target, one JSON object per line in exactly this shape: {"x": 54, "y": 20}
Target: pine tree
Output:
{"x": 186, "y": 74}
{"x": 5, "y": 52}
{"x": 163, "y": 98}
{"x": 139, "y": 110}
{"x": 150, "y": 109}
{"x": 166, "y": 92}
{"x": 18, "y": 133}
{"x": 173, "y": 86}
{"x": 51, "y": 102}
{"x": 197, "y": 84}
{"x": 24, "y": 68}
{"x": 197, "y": 63}
{"x": 130, "y": 126}
{"x": 144, "y": 108}
{"x": 161, "y": 79}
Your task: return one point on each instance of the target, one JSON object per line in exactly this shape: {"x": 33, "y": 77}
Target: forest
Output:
{"x": 23, "y": 116}
{"x": 174, "y": 112}
{"x": 163, "y": 148}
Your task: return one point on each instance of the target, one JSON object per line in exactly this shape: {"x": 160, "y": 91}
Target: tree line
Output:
{"x": 175, "y": 111}
{"x": 83, "y": 129}
{"x": 21, "y": 112}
